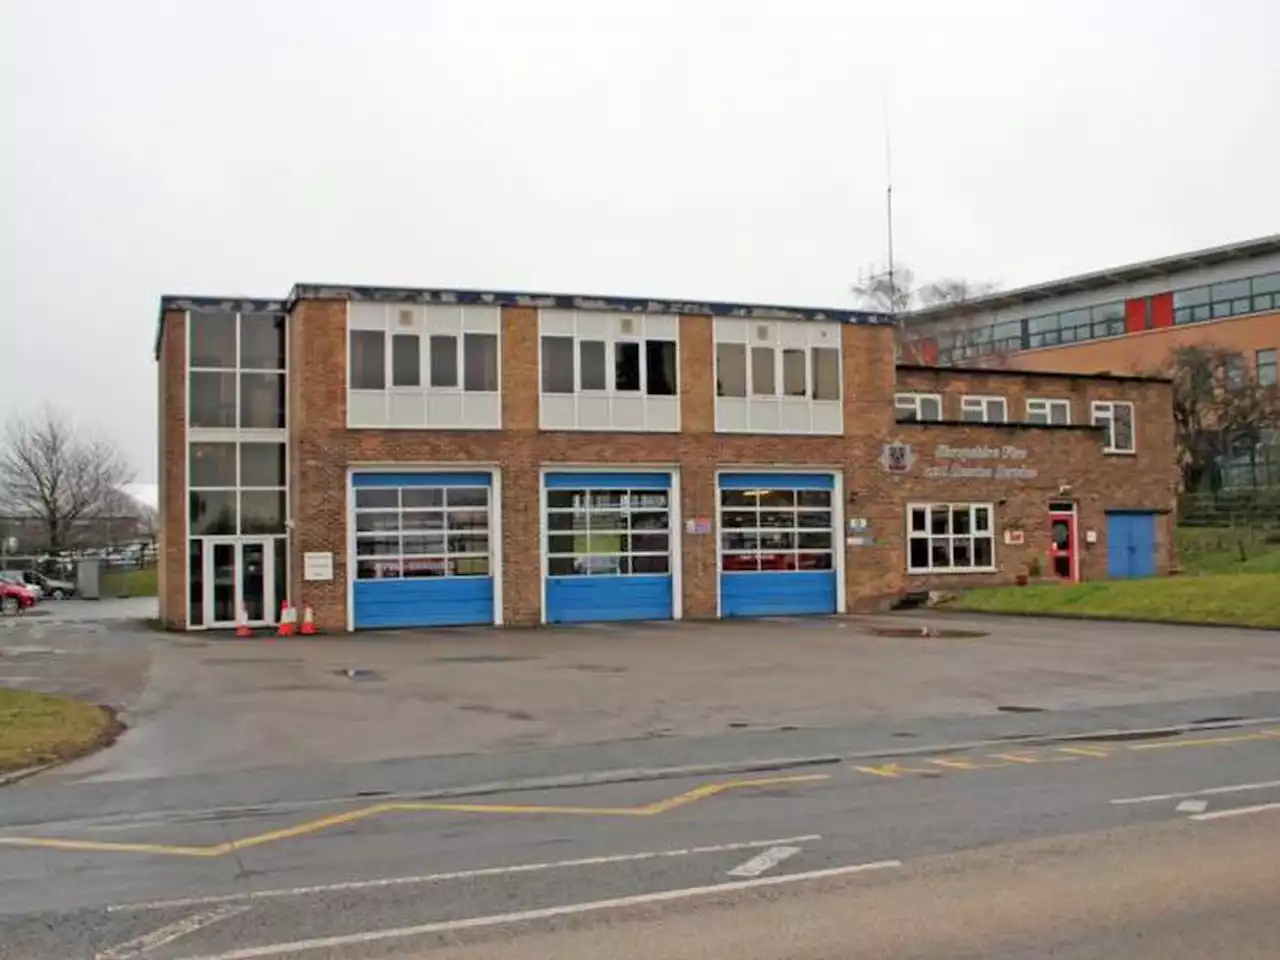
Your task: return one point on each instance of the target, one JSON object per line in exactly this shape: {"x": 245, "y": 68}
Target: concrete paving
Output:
{"x": 203, "y": 703}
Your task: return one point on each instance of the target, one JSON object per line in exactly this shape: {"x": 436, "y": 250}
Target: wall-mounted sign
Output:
{"x": 860, "y": 541}
{"x": 897, "y": 457}
{"x": 1015, "y": 538}
{"x": 858, "y": 524}
{"x": 980, "y": 463}
{"x": 697, "y": 525}
{"x": 317, "y": 566}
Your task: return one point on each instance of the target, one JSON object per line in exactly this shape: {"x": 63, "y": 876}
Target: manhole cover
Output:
{"x": 946, "y": 633}
{"x": 358, "y": 673}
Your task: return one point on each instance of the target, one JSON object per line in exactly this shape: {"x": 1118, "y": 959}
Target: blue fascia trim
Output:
{"x": 794, "y": 481}
{"x": 608, "y": 481}
{"x": 422, "y": 480}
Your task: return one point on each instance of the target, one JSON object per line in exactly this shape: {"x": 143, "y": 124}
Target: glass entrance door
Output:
{"x": 238, "y": 574}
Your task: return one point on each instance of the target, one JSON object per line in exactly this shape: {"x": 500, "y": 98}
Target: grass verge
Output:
{"x": 129, "y": 583}
{"x": 38, "y": 728}
{"x": 1228, "y": 550}
{"x": 1247, "y": 599}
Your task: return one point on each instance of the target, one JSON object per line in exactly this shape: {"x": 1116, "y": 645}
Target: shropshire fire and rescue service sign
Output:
{"x": 961, "y": 463}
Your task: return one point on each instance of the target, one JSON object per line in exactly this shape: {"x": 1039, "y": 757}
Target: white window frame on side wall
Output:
{"x": 432, "y": 407}
{"x": 928, "y": 536}
{"x": 980, "y": 403}
{"x": 775, "y": 411}
{"x": 1102, "y": 413}
{"x": 1044, "y": 407}
{"x": 912, "y": 402}
{"x": 609, "y": 408}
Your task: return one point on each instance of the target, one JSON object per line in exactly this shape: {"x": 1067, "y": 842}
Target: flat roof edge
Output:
{"x": 1006, "y": 372}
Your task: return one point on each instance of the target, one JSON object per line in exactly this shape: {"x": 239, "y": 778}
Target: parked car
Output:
{"x": 15, "y": 577}
{"x": 50, "y": 587}
{"x": 14, "y": 598}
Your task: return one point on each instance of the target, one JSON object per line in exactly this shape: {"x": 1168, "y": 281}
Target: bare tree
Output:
{"x": 1219, "y": 410}
{"x": 56, "y": 475}
{"x": 899, "y": 294}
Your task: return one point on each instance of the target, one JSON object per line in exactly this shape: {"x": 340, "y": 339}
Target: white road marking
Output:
{"x": 399, "y": 933}
{"x": 455, "y": 875}
{"x": 169, "y": 933}
{"x": 763, "y": 862}
{"x": 1237, "y": 812}
{"x": 1210, "y": 792}
{"x": 1192, "y": 806}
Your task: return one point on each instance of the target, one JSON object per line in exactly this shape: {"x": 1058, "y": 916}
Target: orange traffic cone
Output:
{"x": 308, "y": 624}
{"x": 287, "y": 618}
{"x": 242, "y": 623}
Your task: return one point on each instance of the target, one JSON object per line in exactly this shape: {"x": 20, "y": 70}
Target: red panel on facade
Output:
{"x": 1162, "y": 310}
{"x": 1135, "y": 315}
{"x": 924, "y": 350}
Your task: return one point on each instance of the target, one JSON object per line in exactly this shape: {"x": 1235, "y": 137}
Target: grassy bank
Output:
{"x": 1248, "y": 599}
{"x": 1228, "y": 550}
{"x": 37, "y": 728}
{"x": 129, "y": 583}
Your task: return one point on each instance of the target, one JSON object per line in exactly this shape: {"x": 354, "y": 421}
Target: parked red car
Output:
{"x": 14, "y": 599}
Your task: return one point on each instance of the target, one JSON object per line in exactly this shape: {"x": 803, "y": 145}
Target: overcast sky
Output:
{"x": 724, "y": 149}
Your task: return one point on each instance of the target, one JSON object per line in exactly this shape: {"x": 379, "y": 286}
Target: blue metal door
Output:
{"x": 777, "y": 544}
{"x": 1131, "y": 545}
{"x": 423, "y": 553}
{"x": 608, "y": 545}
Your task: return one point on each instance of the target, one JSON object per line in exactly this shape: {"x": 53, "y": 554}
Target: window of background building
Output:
{"x": 1117, "y": 417}
{"x": 979, "y": 409}
{"x": 918, "y": 407}
{"x": 1233, "y": 371}
{"x": 950, "y": 537}
{"x": 1266, "y": 367}
{"x": 1051, "y": 411}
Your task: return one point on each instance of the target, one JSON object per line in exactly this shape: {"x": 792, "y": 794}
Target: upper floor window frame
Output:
{"x": 1045, "y": 409}
{"x": 241, "y": 369}
{"x": 609, "y": 370}
{"x": 983, "y": 405}
{"x": 424, "y": 367}
{"x": 911, "y": 407}
{"x": 1102, "y": 413}
{"x": 1265, "y": 368}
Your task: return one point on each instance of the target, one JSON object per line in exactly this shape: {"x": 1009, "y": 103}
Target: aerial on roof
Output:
{"x": 507, "y": 298}
{"x": 1101, "y": 279}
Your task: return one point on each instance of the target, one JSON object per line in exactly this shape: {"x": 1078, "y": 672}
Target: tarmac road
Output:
{"x": 1136, "y": 845}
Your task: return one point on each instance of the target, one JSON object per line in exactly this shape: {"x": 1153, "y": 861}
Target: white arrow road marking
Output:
{"x": 400, "y": 933}
{"x": 1192, "y": 806}
{"x": 169, "y": 933}
{"x": 455, "y": 875}
{"x": 1237, "y": 812}
{"x": 1210, "y": 792}
{"x": 764, "y": 861}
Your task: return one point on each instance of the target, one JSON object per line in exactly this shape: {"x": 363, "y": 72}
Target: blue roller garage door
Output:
{"x": 777, "y": 539}
{"x": 1131, "y": 544}
{"x": 608, "y": 542}
{"x": 423, "y": 551}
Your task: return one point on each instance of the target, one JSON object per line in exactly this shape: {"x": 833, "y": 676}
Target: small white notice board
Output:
{"x": 317, "y": 566}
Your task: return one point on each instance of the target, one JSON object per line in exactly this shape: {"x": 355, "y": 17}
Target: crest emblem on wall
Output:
{"x": 897, "y": 457}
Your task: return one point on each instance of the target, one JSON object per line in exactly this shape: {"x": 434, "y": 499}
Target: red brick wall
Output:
{"x": 322, "y": 450}
{"x": 172, "y": 472}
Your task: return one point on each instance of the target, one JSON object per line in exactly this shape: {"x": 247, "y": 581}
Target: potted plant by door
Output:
{"x": 1031, "y": 572}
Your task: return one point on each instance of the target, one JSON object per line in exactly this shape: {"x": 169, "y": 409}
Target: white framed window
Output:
{"x": 778, "y": 376}
{"x": 608, "y": 532}
{"x": 603, "y": 370}
{"x": 1117, "y": 417}
{"x": 918, "y": 407}
{"x": 951, "y": 538}
{"x": 416, "y": 532}
{"x": 236, "y": 371}
{"x": 1050, "y": 411}
{"x": 979, "y": 409}
{"x": 414, "y": 366}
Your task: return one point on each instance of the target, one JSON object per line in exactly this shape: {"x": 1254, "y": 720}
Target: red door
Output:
{"x": 1062, "y": 546}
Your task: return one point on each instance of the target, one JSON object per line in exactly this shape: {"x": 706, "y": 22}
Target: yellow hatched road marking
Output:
{"x": 352, "y": 816}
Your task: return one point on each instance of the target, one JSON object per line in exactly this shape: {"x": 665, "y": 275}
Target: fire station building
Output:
{"x": 426, "y": 457}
